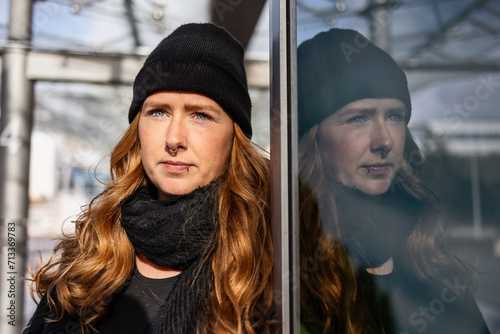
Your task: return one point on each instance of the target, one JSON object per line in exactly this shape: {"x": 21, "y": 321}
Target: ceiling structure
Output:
{"x": 438, "y": 31}
{"x": 127, "y": 25}
{"x": 437, "y": 38}
{"x": 435, "y": 31}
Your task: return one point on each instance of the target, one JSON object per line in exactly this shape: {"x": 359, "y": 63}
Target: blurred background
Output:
{"x": 84, "y": 55}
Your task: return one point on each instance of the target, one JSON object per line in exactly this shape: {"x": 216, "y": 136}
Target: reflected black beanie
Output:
{"x": 341, "y": 66}
{"x": 198, "y": 58}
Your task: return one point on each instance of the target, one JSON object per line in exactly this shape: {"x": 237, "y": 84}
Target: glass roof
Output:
{"x": 420, "y": 30}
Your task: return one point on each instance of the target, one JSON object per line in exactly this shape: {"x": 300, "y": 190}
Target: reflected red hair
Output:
{"x": 330, "y": 297}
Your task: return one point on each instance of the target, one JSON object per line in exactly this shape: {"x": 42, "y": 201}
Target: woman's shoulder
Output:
{"x": 44, "y": 320}
{"x": 431, "y": 306}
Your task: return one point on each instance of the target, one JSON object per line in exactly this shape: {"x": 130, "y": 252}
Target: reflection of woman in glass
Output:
{"x": 372, "y": 258}
{"x": 179, "y": 241}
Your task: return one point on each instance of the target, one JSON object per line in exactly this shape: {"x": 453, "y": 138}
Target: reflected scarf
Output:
{"x": 176, "y": 234}
{"x": 373, "y": 228}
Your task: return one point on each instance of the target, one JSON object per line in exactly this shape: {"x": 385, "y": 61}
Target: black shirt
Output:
{"x": 133, "y": 310}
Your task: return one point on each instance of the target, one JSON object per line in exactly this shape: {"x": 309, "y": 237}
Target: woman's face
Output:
{"x": 195, "y": 125}
{"x": 361, "y": 145}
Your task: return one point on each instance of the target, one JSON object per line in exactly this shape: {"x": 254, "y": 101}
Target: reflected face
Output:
{"x": 186, "y": 141}
{"x": 362, "y": 144}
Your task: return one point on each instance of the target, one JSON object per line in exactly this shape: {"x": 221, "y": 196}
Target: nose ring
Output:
{"x": 384, "y": 154}
{"x": 174, "y": 151}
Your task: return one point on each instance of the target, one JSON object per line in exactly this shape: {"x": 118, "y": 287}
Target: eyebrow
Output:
{"x": 367, "y": 110}
{"x": 200, "y": 107}
{"x": 370, "y": 110}
{"x": 188, "y": 107}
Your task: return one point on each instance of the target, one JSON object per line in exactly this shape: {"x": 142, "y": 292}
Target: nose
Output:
{"x": 382, "y": 141}
{"x": 175, "y": 138}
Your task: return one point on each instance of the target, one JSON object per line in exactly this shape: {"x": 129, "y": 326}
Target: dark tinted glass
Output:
{"x": 399, "y": 143}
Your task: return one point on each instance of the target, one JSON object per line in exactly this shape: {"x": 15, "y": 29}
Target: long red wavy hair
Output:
{"x": 331, "y": 300}
{"x": 89, "y": 265}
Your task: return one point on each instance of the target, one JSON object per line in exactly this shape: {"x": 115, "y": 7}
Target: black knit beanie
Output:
{"x": 341, "y": 66}
{"x": 198, "y": 58}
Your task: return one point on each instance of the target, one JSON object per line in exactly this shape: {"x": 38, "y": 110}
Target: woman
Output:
{"x": 179, "y": 240}
{"x": 372, "y": 256}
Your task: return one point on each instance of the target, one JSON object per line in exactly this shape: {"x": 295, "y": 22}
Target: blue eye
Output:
{"x": 156, "y": 113}
{"x": 396, "y": 118}
{"x": 202, "y": 116}
{"x": 357, "y": 119}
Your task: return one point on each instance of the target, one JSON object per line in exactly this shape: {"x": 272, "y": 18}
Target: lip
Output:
{"x": 176, "y": 166}
{"x": 378, "y": 169}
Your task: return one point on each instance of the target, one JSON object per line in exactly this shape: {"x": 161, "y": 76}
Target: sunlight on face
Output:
{"x": 196, "y": 129}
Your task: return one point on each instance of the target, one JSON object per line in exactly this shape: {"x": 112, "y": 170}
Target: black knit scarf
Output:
{"x": 372, "y": 227}
{"x": 176, "y": 234}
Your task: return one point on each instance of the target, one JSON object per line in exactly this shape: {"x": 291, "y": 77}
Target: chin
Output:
{"x": 374, "y": 189}
{"x": 174, "y": 189}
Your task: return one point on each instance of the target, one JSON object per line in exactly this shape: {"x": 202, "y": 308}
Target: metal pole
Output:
{"x": 284, "y": 161}
{"x": 379, "y": 20}
{"x": 15, "y": 135}
{"x": 476, "y": 197}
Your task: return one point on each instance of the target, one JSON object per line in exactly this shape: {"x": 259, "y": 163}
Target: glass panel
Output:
{"x": 399, "y": 143}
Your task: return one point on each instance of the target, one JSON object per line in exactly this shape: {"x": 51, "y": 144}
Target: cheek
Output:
{"x": 342, "y": 155}
{"x": 143, "y": 137}
{"x": 331, "y": 152}
{"x": 148, "y": 146}
{"x": 223, "y": 162}
{"x": 152, "y": 134}
{"x": 339, "y": 148}
{"x": 216, "y": 151}
{"x": 225, "y": 153}
{"x": 400, "y": 139}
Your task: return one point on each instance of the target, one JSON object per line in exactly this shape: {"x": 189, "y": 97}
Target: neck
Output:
{"x": 150, "y": 270}
{"x": 384, "y": 269}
